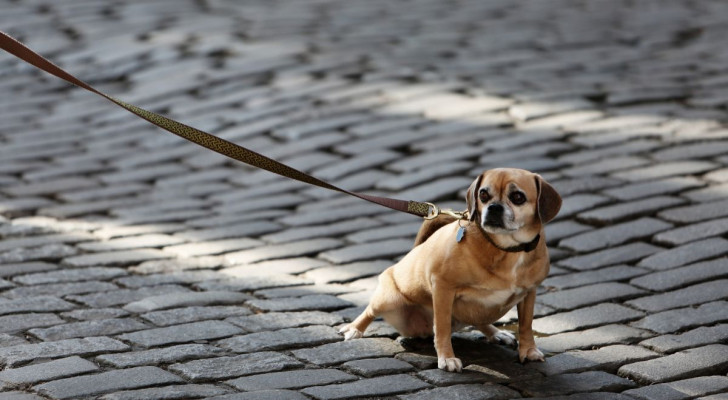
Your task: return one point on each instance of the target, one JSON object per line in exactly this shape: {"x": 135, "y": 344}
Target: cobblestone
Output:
{"x": 190, "y": 391}
{"x": 705, "y": 360}
{"x": 205, "y": 330}
{"x": 615, "y": 234}
{"x": 101, "y": 212}
{"x": 193, "y": 314}
{"x": 576, "y": 279}
{"x": 20, "y": 354}
{"x": 686, "y": 254}
{"x": 305, "y": 303}
{"x": 115, "y": 258}
{"x": 164, "y": 355}
{"x": 20, "y": 322}
{"x": 172, "y": 300}
{"x": 587, "y": 295}
{"x": 377, "y": 366}
{"x": 124, "y": 296}
{"x": 693, "y": 338}
{"x": 564, "y": 384}
{"x": 335, "y": 353}
{"x": 232, "y": 367}
{"x": 102, "y": 327}
{"x": 682, "y": 389}
{"x": 611, "y": 256}
{"x": 464, "y": 392}
{"x": 281, "y": 339}
{"x": 291, "y": 379}
{"x": 608, "y": 358}
{"x": 695, "y": 294}
{"x": 682, "y": 318}
{"x": 105, "y": 382}
{"x": 47, "y": 371}
{"x": 594, "y": 337}
{"x": 70, "y": 275}
{"x": 587, "y": 317}
{"x": 380, "y": 386}
{"x": 273, "y": 320}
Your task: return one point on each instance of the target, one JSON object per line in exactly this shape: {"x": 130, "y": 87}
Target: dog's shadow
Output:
{"x": 483, "y": 361}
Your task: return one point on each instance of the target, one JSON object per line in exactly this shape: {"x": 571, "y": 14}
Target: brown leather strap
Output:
{"x": 204, "y": 139}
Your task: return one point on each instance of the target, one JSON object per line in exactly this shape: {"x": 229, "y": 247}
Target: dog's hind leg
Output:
{"x": 386, "y": 298}
{"x": 495, "y": 335}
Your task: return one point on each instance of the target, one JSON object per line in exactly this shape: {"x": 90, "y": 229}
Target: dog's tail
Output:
{"x": 430, "y": 226}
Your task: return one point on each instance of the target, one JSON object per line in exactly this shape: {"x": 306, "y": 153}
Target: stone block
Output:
{"x": 590, "y": 338}
{"x": 464, "y": 392}
{"x": 683, "y": 318}
{"x": 661, "y": 281}
{"x": 103, "y": 327}
{"x": 188, "y": 391}
{"x": 558, "y": 385}
{"x": 704, "y": 360}
{"x": 17, "y": 355}
{"x": 233, "y": 367}
{"x": 173, "y": 300}
{"x": 371, "y": 387}
{"x": 281, "y": 339}
{"x": 193, "y": 314}
{"x": 205, "y": 330}
{"x": 123, "y": 379}
{"x": 601, "y": 314}
{"x": 291, "y": 379}
{"x": 47, "y": 371}
{"x": 163, "y": 355}
{"x": 377, "y": 366}
{"x": 691, "y": 295}
{"x": 693, "y": 338}
{"x": 305, "y": 303}
{"x": 339, "y": 352}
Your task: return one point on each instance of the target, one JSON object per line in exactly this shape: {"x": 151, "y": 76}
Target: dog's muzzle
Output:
{"x": 494, "y": 216}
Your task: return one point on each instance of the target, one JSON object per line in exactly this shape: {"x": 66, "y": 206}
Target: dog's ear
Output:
{"x": 472, "y": 197}
{"x": 549, "y": 200}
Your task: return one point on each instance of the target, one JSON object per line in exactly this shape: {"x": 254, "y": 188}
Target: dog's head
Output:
{"x": 508, "y": 201}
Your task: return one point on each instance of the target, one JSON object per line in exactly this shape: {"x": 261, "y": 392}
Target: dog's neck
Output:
{"x": 521, "y": 247}
{"x": 509, "y": 243}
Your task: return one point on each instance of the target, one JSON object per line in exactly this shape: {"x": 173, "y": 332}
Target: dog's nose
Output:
{"x": 494, "y": 215}
{"x": 495, "y": 209}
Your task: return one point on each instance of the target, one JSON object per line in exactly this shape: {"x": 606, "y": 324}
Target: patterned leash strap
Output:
{"x": 204, "y": 139}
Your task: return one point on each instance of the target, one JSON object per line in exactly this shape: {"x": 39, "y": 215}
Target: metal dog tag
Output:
{"x": 460, "y": 234}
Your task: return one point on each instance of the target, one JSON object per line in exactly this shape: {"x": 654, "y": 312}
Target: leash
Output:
{"x": 214, "y": 143}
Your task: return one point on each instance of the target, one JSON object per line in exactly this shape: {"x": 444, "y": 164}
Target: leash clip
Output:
{"x": 435, "y": 211}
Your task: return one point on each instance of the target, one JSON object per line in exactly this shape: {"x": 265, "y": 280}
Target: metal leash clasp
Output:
{"x": 435, "y": 211}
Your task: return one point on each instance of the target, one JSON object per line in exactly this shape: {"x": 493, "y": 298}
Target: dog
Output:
{"x": 472, "y": 271}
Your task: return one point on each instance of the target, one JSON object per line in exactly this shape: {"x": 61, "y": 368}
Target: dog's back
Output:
{"x": 430, "y": 226}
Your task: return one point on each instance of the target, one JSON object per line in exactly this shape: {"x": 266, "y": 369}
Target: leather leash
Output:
{"x": 212, "y": 142}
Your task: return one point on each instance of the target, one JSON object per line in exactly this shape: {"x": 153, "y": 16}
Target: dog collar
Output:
{"x": 525, "y": 247}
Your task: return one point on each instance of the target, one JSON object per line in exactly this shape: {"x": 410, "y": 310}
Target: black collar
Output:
{"x": 527, "y": 247}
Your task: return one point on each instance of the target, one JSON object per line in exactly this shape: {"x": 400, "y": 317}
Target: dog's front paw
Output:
{"x": 450, "y": 364}
{"x": 350, "y": 332}
{"x": 530, "y": 354}
{"x": 503, "y": 337}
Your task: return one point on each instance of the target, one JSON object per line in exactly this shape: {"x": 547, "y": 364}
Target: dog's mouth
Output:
{"x": 495, "y": 222}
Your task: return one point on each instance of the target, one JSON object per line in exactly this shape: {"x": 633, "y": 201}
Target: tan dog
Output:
{"x": 498, "y": 262}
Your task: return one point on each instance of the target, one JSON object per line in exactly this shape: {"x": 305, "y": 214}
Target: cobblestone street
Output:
{"x": 136, "y": 265}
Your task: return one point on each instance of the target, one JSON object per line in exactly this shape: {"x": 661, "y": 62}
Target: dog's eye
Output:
{"x": 517, "y": 198}
{"x": 484, "y": 196}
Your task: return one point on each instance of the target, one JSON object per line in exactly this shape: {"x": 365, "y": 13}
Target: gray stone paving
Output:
{"x": 134, "y": 265}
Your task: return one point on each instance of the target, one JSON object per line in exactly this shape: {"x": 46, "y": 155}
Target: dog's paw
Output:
{"x": 503, "y": 337}
{"x": 350, "y": 332}
{"x": 450, "y": 364}
{"x": 530, "y": 354}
